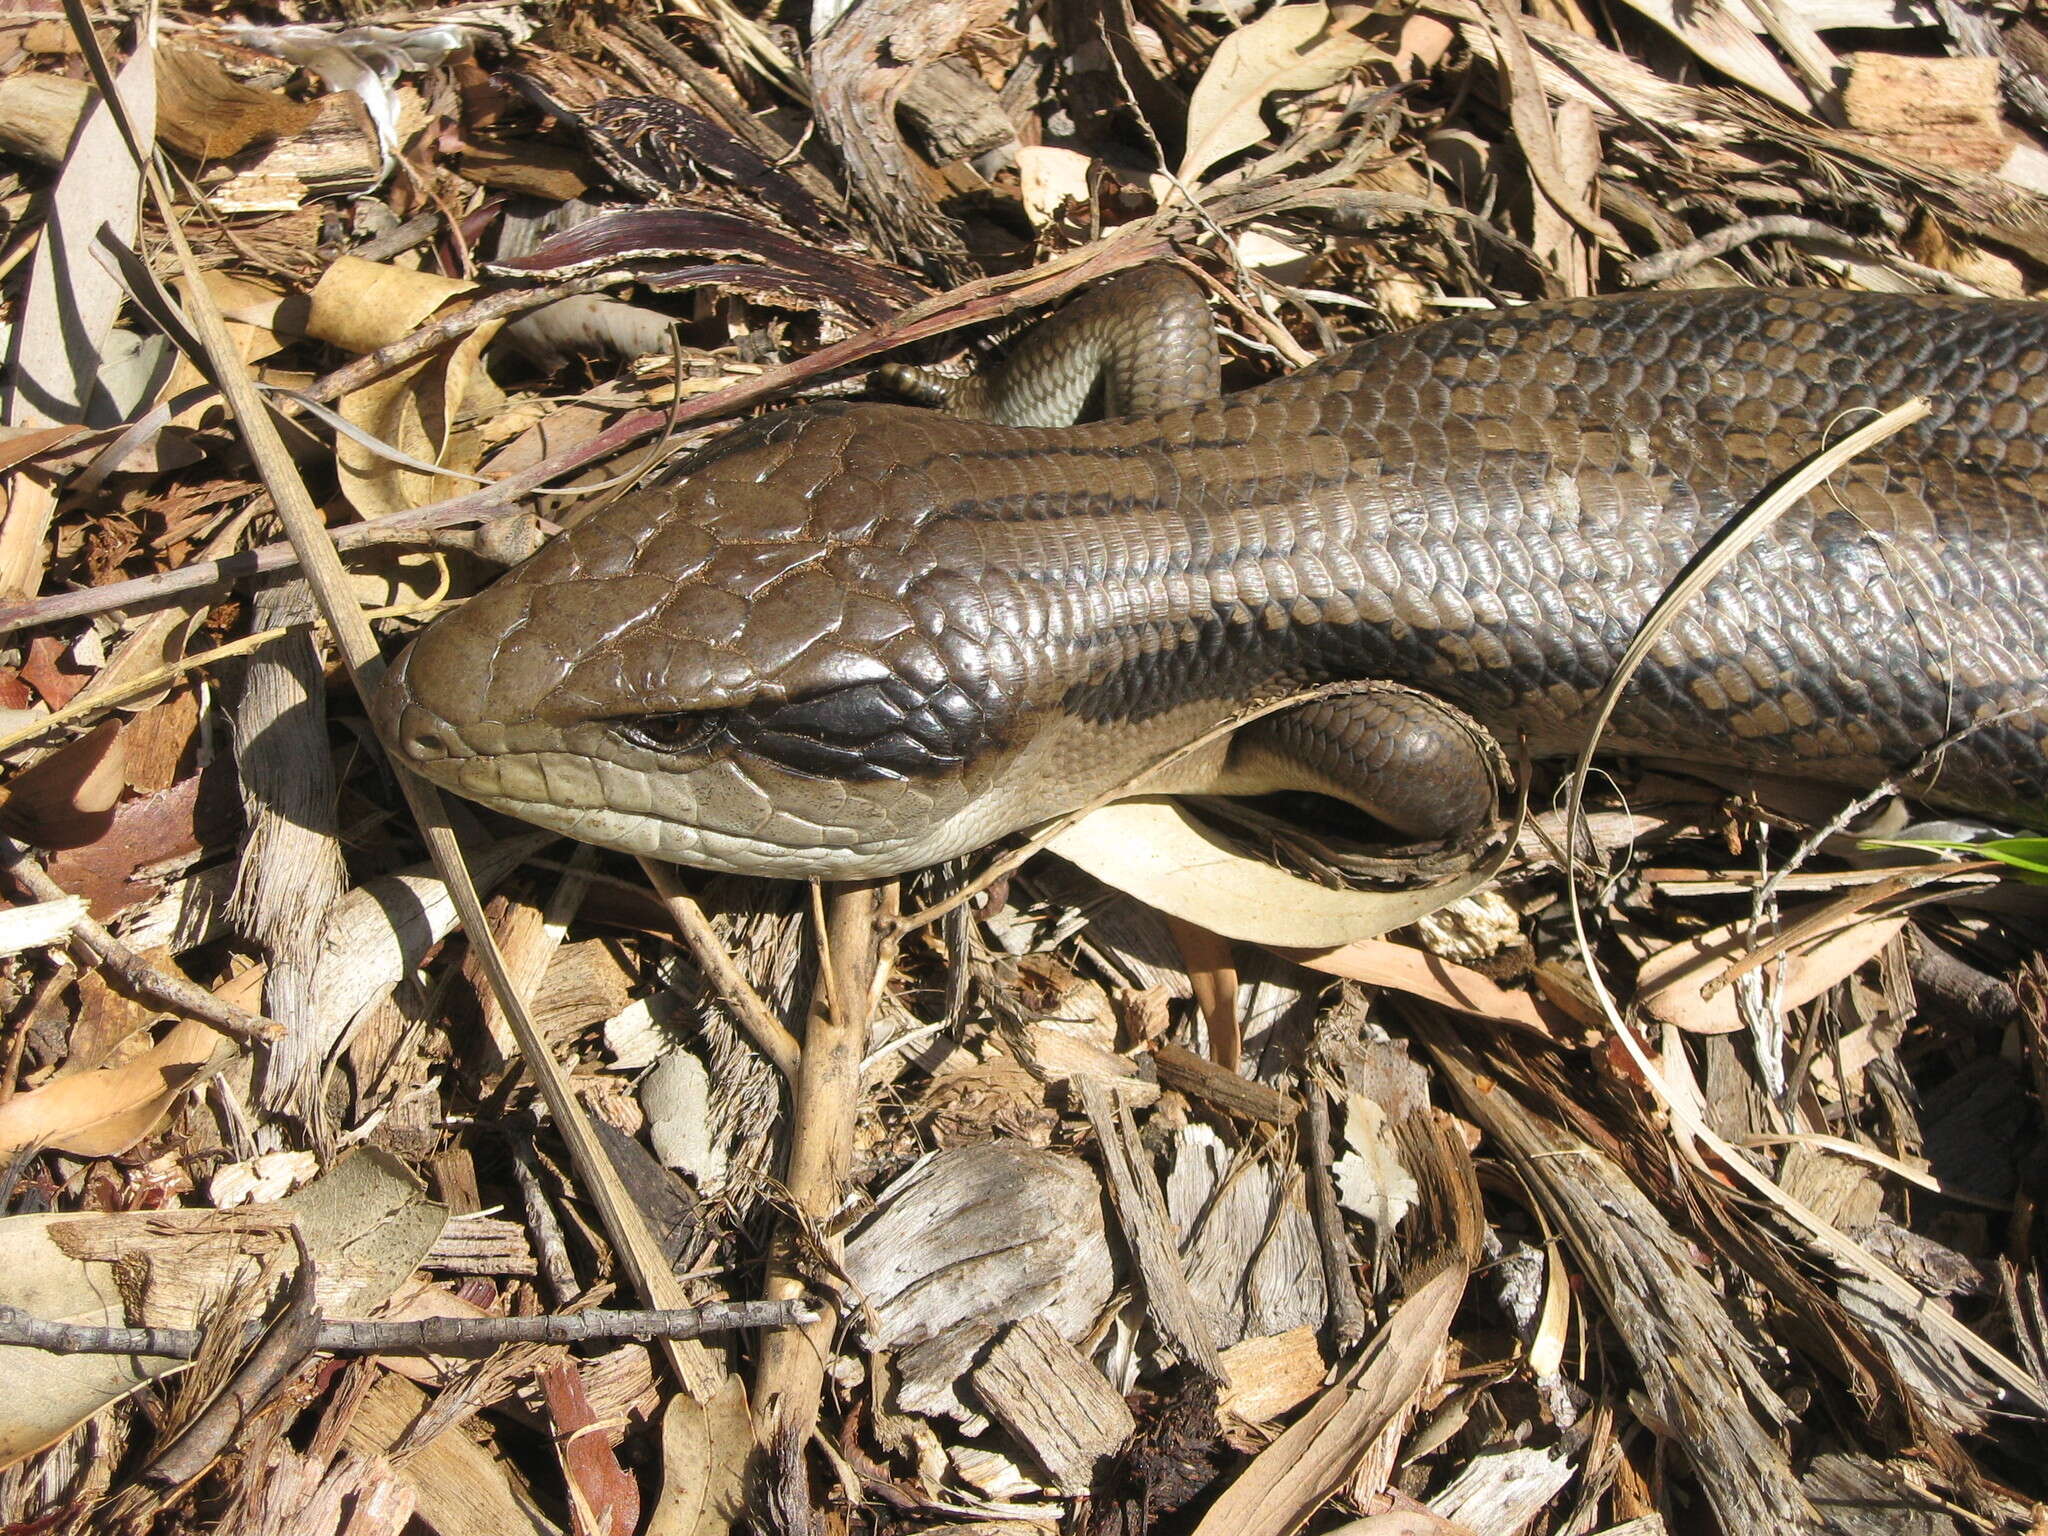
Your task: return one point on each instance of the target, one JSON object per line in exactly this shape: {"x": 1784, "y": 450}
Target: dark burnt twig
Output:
{"x": 421, "y": 1336}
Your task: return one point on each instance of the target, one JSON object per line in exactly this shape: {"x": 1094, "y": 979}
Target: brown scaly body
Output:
{"x": 849, "y": 640}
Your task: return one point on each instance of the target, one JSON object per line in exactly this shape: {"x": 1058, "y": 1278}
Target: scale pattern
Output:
{"x": 850, "y": 639}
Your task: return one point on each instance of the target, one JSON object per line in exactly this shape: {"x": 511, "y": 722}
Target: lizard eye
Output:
{"x": 672, "y": 735}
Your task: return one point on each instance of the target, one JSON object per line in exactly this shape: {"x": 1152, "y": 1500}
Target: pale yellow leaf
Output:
{"x": 1157, "y": 852}
{"x": 1048, "y": 178}
{"x": 361, "y": 305}
{"x": 1290, "y": 48}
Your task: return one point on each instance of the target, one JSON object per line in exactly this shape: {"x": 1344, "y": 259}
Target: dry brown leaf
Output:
{"x": 20, "y": 444}
{"x": 1290, "y": 48}
{"x": 1552, "y": 236}
{"x": 1529, "y": 111}
{"x": 52, "y": 670}
{"x": 360, "y": 306}
{"x": 1669, "y": 985}
{"x": 106, "y": 1019}
{"x": 1379, "y": 963}
{"x": 155, "y": 643}
{"x": 1212, "y": 974}
{"x": 103, "y": 1113}
{"x": 1423, "y": 42}
{"x": 530, "y": 167}
{"x": 67, "y": 799}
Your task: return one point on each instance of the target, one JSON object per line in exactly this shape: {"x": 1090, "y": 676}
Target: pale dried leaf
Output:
{"x": 1671, "y": 982}
{"x": 1048, "y": 178}
{"x": 1157, "y": 852}
{"x": 73, "y": 292}
{"x": 1370, "y": 1178}
{"x": 365, "y": 1223}
{"x": 1290, "y": 48}
{"x": 676, "y": 1098}
{"x": 360, "y": 306}
{"x": 1723, "y": 34}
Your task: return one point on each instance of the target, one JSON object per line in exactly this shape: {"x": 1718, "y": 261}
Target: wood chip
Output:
{"x": 1946, "y": 110}
{"x": 1048, "y": 1395}
{"x": 1141, "y": 1210}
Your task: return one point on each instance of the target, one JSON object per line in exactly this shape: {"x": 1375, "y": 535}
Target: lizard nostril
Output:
{"x": 426, "y": 744}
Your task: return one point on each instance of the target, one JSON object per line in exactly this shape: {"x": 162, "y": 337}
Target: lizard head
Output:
{"x": 754, "y": 667}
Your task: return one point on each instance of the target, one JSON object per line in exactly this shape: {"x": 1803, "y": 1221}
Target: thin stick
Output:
{"x": 129, "y": 972}
{"x": 1665, "y": 265}
{"x": 709, "y": 951}
{"x": 414, "y": 527}
{"x": 639, "y": 1252}
{"x": 420, "y": 1336}
{"x": 789, "y": 1379}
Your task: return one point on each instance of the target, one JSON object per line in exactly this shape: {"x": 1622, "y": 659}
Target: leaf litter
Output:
{"x": 1292, "y": 1206}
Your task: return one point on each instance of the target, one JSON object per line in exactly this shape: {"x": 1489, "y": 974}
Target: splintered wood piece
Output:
{"x": 1141, "y": 1210}
{"x": 39, "y": 114}
{"x": 336, "y": 153}
{"x": 1057, "y": 1057}
{"x": 462, "y": 1488}
{"x": 967, "y": 1242}
{"x": 1315, "y": 1455}
{"x": 483, "y": 1245}
{"x": 1945, "y": 110}
{"x": 954, "y": 112}
{"x": 1055, "y": 1403}
{"x": 1201, "y": 1078}
{"x": 1272, "y": 1376}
